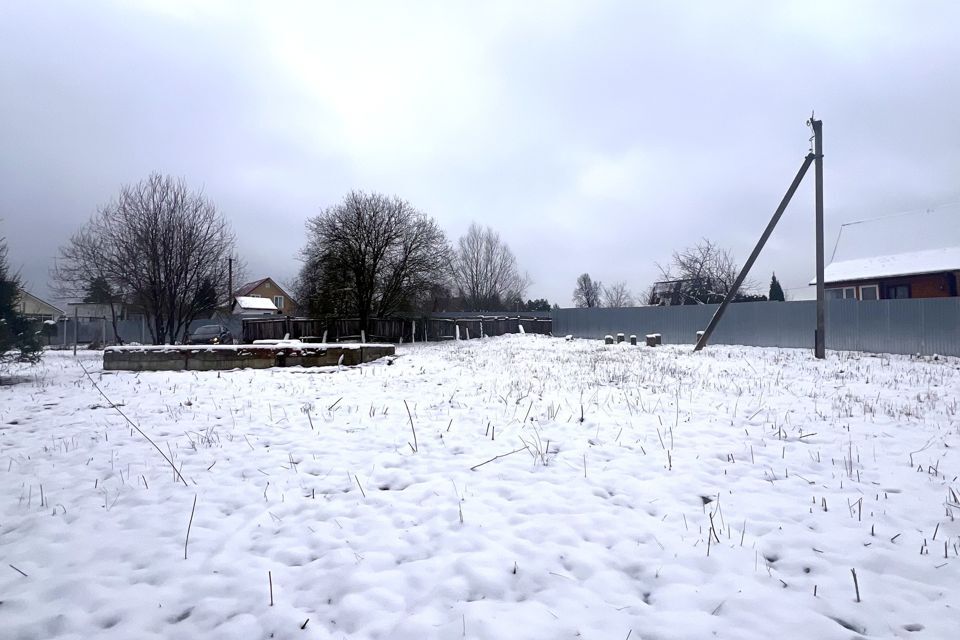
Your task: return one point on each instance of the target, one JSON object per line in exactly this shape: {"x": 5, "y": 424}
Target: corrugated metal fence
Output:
{"x": 925, "y": 326}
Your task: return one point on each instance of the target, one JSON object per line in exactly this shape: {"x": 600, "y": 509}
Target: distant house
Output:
{"x": 94, "y": 311}
{"x": 914, "y": 254}
{"x": 32, "y": 307}
{"x": 931, "y": 273}
{"x": 283, "y": 302}
{"x": 253, "y": 306}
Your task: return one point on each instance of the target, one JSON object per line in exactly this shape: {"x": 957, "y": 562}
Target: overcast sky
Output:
{"x": 594, "y": 136}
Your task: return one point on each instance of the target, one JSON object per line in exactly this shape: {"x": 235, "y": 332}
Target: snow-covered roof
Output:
{"x": 252, "y": 303}
{"x": 899, "y": 264}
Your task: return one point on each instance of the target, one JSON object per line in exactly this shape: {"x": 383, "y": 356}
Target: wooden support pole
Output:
{"x": 702, "y": 341}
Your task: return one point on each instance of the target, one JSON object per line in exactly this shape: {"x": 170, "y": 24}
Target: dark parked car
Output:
{"x": 211, "y": 334}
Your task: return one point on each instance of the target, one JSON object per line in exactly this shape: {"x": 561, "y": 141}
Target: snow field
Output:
{"x": 649, "y": 493}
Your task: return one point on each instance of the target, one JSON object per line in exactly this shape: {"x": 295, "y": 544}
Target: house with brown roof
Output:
{"x": 268, "y": 288}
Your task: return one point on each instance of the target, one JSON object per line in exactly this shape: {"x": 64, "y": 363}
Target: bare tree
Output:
{"x": 588, "y": 292}
{"x": 159, "y": 246}
{"x": 485, "y": 271}
{"x": 617, "y": 295}
{"x": 370, "y": 255}
{"x": 702, "y": 274}
{"x": 81, "y": 272}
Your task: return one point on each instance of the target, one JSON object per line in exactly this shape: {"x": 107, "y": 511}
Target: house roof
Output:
{"x": 26, "y": 294}
{"x": 887, "y": 266}
{"x": 899, "y": 244}
{"x": 245, "y": 289}
{"x": 256, "y": 304}
{"x": 248, "y": 288}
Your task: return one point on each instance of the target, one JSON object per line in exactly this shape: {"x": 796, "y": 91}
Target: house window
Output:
{"x": 870, "y": 292}
{"x": 898, "y": 291}
{"x": 841, "y": 293}
{"x": 278, "y": 301}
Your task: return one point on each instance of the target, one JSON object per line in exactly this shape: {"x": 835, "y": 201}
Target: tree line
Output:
{"x": 701, "y": 274}
{"x": 168, "y": 250}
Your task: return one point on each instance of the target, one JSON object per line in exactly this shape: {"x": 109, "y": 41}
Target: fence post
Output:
{"x": 413, "y": 331}
{"x": 76, "y": 322}
{"x": 103, "y": 331}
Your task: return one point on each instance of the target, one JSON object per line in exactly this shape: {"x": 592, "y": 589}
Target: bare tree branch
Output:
{"x": 485, "y": 271}
{"x": 702, "y": 274}
{"x": 617, "y": 295}
{"x": 159, "y": 246}
{"x": 370, "y": 255}
{"x": 588, "y": 292}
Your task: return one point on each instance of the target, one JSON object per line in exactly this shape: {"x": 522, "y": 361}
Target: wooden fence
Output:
{"x": 395, "y": 330}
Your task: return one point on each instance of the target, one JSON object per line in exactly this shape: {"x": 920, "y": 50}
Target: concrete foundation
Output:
{"x": 220, "y": 357}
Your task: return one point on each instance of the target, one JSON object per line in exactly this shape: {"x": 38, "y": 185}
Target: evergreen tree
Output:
{"x": 18, "y": 340}
{"x": 99, "y": 292}
{"x": 776, "y": 291}
{"x": 206, "y": 297}
{"x": 540, "y": 304}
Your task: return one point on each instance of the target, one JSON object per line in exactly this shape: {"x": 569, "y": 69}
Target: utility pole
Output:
{"x": 229, "y": 281}
{"x": 820, "y": 339}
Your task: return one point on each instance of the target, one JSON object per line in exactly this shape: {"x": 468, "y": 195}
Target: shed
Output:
{"x": 253, "y": 306}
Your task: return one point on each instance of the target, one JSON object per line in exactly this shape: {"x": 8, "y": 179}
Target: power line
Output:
{"x": 910, "y": 212}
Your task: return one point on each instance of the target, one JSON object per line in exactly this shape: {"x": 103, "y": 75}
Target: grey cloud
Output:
{"x": 594, "y": 139}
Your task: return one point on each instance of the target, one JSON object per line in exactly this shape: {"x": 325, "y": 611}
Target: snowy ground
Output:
{"x": 598, "y": 525}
